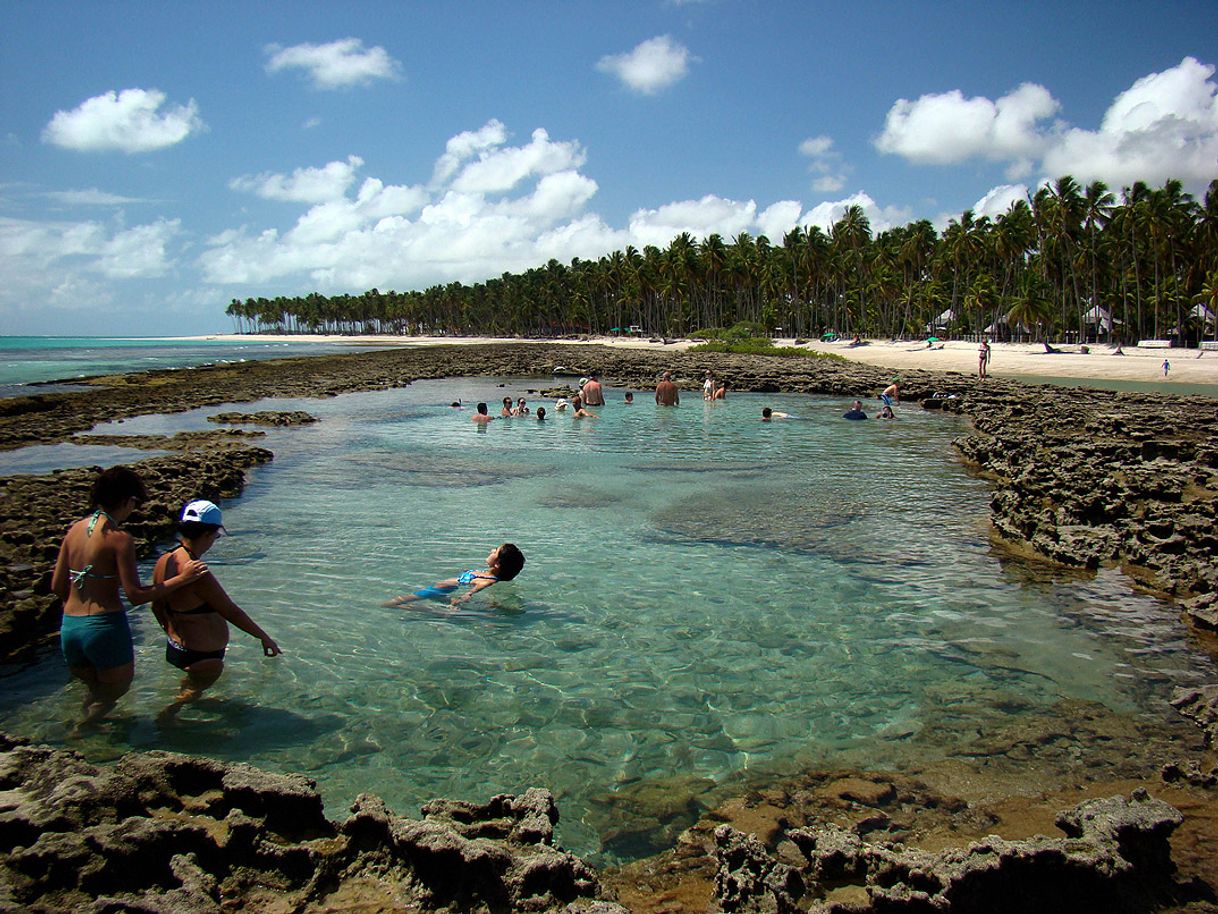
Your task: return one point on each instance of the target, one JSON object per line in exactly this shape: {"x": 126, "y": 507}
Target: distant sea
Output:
{"x": 37, "y": 360}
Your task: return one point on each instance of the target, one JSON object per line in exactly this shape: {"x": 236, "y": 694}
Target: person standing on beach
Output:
{"x": 196, "y": 617}
{"x": 1166, "y": 367}
{"x": 591, "y": 393}
{"x": 96, "y": 557}
{"x": 983, "y": 357}
{"x": 666, "y": 391}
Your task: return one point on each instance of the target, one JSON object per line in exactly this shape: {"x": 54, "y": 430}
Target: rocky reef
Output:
{"x": 1082, "y": 478}
{"x": 162, "y": 833}
{"x": 1115, "y": 858}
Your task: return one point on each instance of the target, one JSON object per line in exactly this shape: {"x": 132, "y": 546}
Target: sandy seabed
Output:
{"x": 1008, "y": 360}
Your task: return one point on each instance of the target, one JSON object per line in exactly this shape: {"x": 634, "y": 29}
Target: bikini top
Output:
{"x": 80, "y": 578}
{"x": 203, "y": 608}
{"x": 468, "y": 577}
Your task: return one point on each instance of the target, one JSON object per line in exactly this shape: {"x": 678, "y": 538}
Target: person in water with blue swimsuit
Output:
{"x": 503, "y": 564}
{"x": 196, "y": 617}
{"x": 96, "y": 557}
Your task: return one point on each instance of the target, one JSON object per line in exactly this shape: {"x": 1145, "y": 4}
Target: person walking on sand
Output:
{"x": 666, "y": 391}
{"x": 96, "y": 557}
{"x": 1166, "y": 367}
{"x": 196, "y": 617}
{"x": 983, "y": 357}
{"x": 592, "y": 393}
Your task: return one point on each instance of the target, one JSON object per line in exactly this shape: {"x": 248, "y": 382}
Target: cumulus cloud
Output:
{"x": 1164, "y": 126}
{"x": 882, "y": 218}
{"x": 999, "y": 199}
{"x": 338, "y": 65}
{"x": 948, "y": 128}
{"x": 653, "y": 65}
{"x": 490, "y": 207}
{"x": 826, "y": 164}
{"x": 304, "y": 185}
{"x": 128, "y": 121}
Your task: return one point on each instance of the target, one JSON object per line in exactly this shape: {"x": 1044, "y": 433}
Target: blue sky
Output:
{"x": 161, "y": 159}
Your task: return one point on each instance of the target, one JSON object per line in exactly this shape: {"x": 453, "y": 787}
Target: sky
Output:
{"x": 161, "y": 159}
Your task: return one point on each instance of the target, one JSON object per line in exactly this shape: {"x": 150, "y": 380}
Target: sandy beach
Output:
{"x": 1021, "y": 361}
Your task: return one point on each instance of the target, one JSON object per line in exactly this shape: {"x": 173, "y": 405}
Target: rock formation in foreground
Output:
{"x": 170, "y": 834}
{"x": 1115, "y": 858}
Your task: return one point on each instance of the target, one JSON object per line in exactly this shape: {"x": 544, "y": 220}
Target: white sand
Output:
{"x": 1013, "y": 360}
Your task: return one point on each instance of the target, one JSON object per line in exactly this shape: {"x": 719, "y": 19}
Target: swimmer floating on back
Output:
{"x": 503, "y": 564}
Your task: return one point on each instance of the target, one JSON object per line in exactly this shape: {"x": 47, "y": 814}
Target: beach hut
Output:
{"x": 1098, "y": 320}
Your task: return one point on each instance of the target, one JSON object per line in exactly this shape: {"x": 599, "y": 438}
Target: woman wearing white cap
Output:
{"x": 196, "y": 617}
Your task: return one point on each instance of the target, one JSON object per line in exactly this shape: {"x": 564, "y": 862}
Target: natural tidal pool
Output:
{"x": 709, "y": 601}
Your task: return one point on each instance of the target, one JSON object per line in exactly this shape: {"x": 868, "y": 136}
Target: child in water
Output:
{"x": 503, "y": 564}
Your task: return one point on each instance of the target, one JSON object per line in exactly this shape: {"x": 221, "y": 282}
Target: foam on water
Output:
{"x": 705, "y": 595}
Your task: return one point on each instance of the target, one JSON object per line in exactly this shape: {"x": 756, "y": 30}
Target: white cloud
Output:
{"x": 881, "y": 218}
{"x": 90, "y": 197}
{"x": 1164, "y": 126}
{"x": 338, "y": 65}
{"x": 503, "y": 169}
{"x": 709, "y": 215}
{"x": 490, "y": 208}
{"x": 74, "y": 266}
{"x": 127, "y": 121}
{"x": 304, "y": 185}
{"x": 947, "y": 128}
{"x": 998, "y": 200}
{"x": 826, "y": 164}
{"x": 653, "y": 65}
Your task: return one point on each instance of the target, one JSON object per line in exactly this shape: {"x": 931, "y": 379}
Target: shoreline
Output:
{"x": 1080, "y": 477}
{"x": 1017, "y": 361}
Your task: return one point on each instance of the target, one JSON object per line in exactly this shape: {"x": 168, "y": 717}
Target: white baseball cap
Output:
{"x": 202, "y": 511}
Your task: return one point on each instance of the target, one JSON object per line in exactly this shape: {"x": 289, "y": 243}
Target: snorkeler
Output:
{"x": 503, "y": 564}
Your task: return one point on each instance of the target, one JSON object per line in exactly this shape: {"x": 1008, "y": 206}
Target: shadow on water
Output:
{"x": 236, "y": 730}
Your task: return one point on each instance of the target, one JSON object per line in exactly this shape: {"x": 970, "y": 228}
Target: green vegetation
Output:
{"x": 761, "y": 345}
{"x": 1067, "y": 263}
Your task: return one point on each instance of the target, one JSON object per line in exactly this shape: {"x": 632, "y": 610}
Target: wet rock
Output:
{"x": 1116, "y": 857}
{"x": 161, "y": 832}
{"x": 1201, "y": 707}
{"x": 265, "y": 417}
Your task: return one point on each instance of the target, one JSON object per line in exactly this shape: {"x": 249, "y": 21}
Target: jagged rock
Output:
{"x": 160, "y": 832}
{"x": 1116, "y": 857}
{"x": 1200, "y": 706}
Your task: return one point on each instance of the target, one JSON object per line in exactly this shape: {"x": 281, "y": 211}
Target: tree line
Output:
{"x": 1067, "y": 263}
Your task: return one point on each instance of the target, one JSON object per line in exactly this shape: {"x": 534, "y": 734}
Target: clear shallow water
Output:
{"x": 705, "y": 596}
{"x": 26, "y": 360}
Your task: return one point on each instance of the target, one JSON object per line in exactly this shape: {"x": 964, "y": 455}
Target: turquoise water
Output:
{"x": 706, "y": 596}
{"x": 28, "y": 360}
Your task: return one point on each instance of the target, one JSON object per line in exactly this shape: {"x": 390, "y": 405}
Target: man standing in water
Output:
{"x": 666, "y": 391}
{"x": 592, "y": 394}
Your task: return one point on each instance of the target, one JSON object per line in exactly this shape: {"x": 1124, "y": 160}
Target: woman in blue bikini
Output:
{"x": 95, "y": 559}
{"x": 503, "y": 564}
